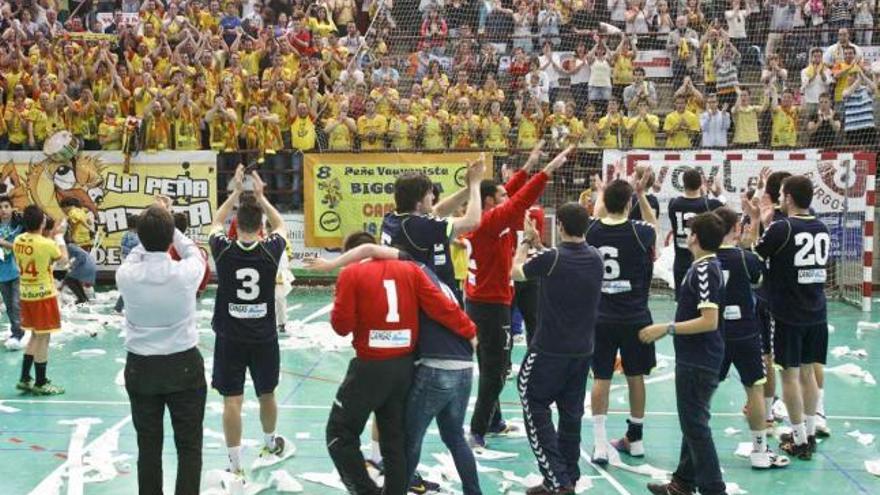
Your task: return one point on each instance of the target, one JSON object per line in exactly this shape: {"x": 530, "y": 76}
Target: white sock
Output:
{"x": 375, "y": 452}
{"x": 234, "y": 458}
{"x": 768, "y": 408}
{"x": 636, "y": 421}
{"x": 820, "y": 405}
{"x": 600, "y": 437}
{"x": 799, "y": 432}
{"x": 810, "y": 422}
{"x": 269, "y": 439}
{"x": 759, "y": 441}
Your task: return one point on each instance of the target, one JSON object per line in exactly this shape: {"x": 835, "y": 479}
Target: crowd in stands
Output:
{"x": 436, "y": 74}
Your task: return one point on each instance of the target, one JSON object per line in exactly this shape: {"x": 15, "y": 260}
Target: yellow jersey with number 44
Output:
{"x": 35, "y": 256}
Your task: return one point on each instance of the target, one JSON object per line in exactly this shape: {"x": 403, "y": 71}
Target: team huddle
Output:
{"x": 436, "y": 288}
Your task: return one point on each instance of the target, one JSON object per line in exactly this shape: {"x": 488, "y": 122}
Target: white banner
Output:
{"x": 296, "y": 237}
{"x": 836, "y": 177}
{"x": 656, "y": 63}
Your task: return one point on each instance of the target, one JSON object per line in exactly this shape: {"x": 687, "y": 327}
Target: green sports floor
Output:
{"x": 35, "y": 440}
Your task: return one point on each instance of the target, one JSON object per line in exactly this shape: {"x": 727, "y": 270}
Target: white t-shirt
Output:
{"x": 600, "y": 74}
{"x": 736, "y": 23}
{"x": 553, "y": 75}
{"x": 583, "y": 73}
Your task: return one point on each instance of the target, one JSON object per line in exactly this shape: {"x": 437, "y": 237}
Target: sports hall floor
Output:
{"x": 34, "y": 443}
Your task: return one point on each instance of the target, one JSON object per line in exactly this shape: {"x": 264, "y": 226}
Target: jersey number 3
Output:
{"x": 250, "y": 284}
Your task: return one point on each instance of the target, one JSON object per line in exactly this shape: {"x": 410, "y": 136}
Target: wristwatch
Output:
{"x": 670, "y": 329}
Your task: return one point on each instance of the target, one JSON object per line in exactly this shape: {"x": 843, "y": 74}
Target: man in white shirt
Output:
{"x": 164, "y": 367}
{"x": 816, "y": 79}
{"x": 834, "y": 53}
{"x": 353, "y": 39}
{"x": 714, "y": 124}
{"x": 639, "y": 90}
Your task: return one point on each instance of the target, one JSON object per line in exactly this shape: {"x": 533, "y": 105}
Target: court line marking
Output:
{"x": 47, "y": 485}
{"x": 844, "y": 473}
{"x": 606, "y": 475}
{"x": 327, "y": 407}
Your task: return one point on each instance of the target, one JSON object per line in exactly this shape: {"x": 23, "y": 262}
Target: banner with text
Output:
{"x": 347, "y": 192}
{"x": 98, "y": 182}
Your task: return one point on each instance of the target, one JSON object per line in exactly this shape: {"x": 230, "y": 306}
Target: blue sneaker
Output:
{"x": 476, "y": 441}
{"x": 502, "y": 429}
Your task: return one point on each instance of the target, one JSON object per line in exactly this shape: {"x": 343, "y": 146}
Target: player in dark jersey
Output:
{"x": 422, "y": 229}
{"x": 699, "y": 351}
{"x": 244, "y": 315}
{"x": 742, "y": 339}
{"x": 627, "y": 247}
{"x": 681, "y": 210}
{"x": 555, "y": 368}
{"x": 797, "y": 249}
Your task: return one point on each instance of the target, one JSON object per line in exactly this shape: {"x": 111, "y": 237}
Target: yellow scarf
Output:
{"x": 684, "y": 51}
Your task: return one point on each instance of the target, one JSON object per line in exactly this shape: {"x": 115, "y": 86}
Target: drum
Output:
{"x": 62, "y": 147}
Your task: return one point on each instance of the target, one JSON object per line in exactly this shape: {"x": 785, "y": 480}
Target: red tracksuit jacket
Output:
{"x": 379, "y": 301}
{"x": 493, "y": 242}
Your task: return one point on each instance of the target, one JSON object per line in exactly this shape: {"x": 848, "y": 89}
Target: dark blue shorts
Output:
{"x": 765, "y": 323}
{"x": 638, "y": 358}
{"x": 794, "y": 345}
{"x": 232, "y": 359}
{"x": 745, "y": 355}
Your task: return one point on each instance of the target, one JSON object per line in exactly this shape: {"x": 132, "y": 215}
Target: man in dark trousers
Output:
{"x": 681, "y": 210}
{"x": 556, "y": 366}
{"x": 488, "y": 288}
{"x": 699, "y": 351}
{"x": 378, "y": 301}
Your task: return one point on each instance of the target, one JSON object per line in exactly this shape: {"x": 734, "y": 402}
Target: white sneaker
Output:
{"x": 822, "y": 429}
{"x": 235, "y": 484}
{"x": 14, "y": 344}
{"x": 768, "y": 460}
{"x": 600, "y": 454}
{"x": 633, "y": 449}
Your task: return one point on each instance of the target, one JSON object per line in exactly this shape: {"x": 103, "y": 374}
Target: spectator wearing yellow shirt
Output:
{"x": 435, "y": 82}
{"x": 81, "y": 224}
{"x": 110, "y": 129}
{"x": 319, "y": 22}
{"x": 464, "y": 126}
{"x": 843, "y": 71}
{"x": 303, "y": 135}
{"x": 784, "y": 130}
{"x": 611, "y": 126}
{"x": 643, "y": 127}
{"x": 372, "y": 127}
{"x": 157, "y": 125}
{"x": 341, "y": 130}
{"x": 586, "y": 132}
{"x": 693, "y": 96}
{"x": 403, "y": 128}
{"x": 528, "y": 121}
{"x": 386, "y": 97}
{"x": 17, "y": 118}
{"x": 745, "y": 119}
{"x": 496, "y": 127}
{"x": 680, "y": 125}
{"x": 222, "y": 126}
{"x": 435, "y": 124}
{"x": 187, "y": 123}
{"x": 461, "y": 89}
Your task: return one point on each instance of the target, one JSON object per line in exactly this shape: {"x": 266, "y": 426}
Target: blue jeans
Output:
{"x": 698, "y": 465}
{"x": 10, "y": 292}
{"x": 442, "y": 394}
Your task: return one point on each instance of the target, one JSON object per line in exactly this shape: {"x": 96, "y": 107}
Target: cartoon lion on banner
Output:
{"x": 50, "y": 182}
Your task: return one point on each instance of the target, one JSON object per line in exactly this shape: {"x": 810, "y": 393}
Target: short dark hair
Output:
{"x": 617, "y": 196}
{"x": 709, "y": 230}
{"x": 692, "y": 179}
{"x": 729, "y": 217}
{"x": 409, "y": 189}
{"x": 131, "y": 221}
{"x": 574, "y": 218}
{"x": 356, "y": 239}
{"x": 800, "y": 188}
{"x": 639, "y": 70}
{"x": 5, "y": 199}
{"x": 774, "y": 184}
{"x": 67, "y": 202}
{"x": 181, "y": 221}
{"x": 488, "y": 189}
{"x": 32, "y": 218}
{"x": 155, "y": 229}
{"x": 50, "y": 224}
{"x": 249, "y": 217}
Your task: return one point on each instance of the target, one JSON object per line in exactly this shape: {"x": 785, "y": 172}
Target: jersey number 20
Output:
{"x": 813, "y": 249}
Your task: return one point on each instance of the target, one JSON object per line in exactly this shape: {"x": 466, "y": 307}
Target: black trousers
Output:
{"x": 525, "y": 298}
{"x": 493, "y": 358}
{"x": 371, "y": 386}
{"x": 178, "y": 382}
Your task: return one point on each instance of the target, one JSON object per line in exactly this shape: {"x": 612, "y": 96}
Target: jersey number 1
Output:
{"x": 393, "y": 316}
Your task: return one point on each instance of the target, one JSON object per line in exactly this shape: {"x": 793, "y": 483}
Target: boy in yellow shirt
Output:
{"x": 784, "y": 128}
{"x": 81, "y": 224}
{"x": 35, "y": 255}
{"x": 372, "y": 128}
{"x": 680, "y": 125}
{"x": 643, "y": 127}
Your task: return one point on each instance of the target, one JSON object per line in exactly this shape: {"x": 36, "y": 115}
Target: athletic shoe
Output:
{"x": 25, "y": 385}
{"x": 421, "y": 485}
{"x": 237, "y": 483}
{"x": 671, "y": 488}
{"x": 13, "y": 344}
{"x": 476, "y": 441}
{"x": 282, "y": 329}
{"x": 802, "y": 452}
{"x": 277, "y": 451}
{"x": 543, "y": 490}
{"x": 822, "y": 430}
{"x": 780, "y": 412}
{"x": 502, "y": 429}
{"x": 47, "y": 389}
{"x": 600, "y": 455}
{"x": 632, "y": 449}
{"x": 811, "y": 440}
{"x": 768, "y": 460}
